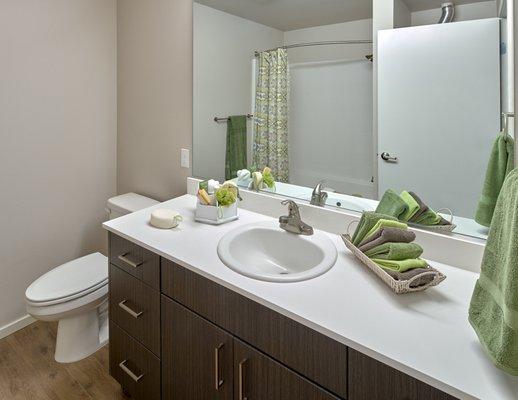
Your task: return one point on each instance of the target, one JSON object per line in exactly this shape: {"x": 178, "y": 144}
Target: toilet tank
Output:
{"x": 127, "y": 203}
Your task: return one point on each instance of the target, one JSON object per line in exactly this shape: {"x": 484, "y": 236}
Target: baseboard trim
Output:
{"x": 16, "y": 325}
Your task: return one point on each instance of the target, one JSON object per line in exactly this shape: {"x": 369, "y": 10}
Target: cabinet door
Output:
{"x": 372, "y": 380}
{"x": 197, "y": 356}
{"x": 258, "y": 377}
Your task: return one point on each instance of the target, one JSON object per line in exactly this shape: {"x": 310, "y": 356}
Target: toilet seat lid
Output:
{"x": 79, "y": 276}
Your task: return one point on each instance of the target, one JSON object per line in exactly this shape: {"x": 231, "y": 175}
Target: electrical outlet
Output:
{"x": 184, "y": 159}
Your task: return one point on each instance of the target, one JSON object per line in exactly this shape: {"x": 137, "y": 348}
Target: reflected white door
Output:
{"x": 438, "y": 110}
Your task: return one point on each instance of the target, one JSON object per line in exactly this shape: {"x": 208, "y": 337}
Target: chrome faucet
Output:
{"x": 319, "y": 197}
{"x": 292, "y": 222}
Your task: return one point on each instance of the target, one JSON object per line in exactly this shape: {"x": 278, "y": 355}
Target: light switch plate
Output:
{"x": 185, "y": 158}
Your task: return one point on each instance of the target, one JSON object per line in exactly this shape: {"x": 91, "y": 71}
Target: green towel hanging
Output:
{"x": 493, "y": 311}
{"x": 501, "y": 162}
{"x": 236, "y": 146}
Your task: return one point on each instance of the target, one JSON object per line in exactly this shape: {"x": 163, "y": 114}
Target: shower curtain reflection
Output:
{"x": 271, "y": 114}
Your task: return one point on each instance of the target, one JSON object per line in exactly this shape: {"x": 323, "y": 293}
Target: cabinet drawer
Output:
{"x": 133, "y": 366}
{"x": 135, "y": 307}
{"x": 309, "y": 353}
{"x": 135, "y": 260}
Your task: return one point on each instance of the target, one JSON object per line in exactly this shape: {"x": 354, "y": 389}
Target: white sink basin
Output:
{"x": 266, "y": 252}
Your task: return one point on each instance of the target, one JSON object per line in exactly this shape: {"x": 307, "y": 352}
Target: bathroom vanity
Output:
{"x": 177, "y": 335}
{"x": 184, "y": 326}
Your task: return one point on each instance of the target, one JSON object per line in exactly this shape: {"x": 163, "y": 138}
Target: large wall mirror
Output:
{"x": 334, "y": 101}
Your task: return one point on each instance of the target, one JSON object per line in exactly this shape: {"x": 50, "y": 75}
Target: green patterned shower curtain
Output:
{"x": 271, "y": 114}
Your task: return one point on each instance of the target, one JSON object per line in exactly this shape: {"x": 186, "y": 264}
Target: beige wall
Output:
{"x": 58, "y": 136}
{"x": 154, "y": 95}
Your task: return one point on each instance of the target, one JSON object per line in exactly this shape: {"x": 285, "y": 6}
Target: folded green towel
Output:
{"x": 395, "y": 251}
{"x": 422, "y": 206}
{"x": 401, "y": 265}
{"x": 386, "y": 235}
{"x": 385, "y": 223}
{"x": 501, "y": 162}
{"x": 429, "y": 217}
{"x": 392, "y": 204}
{"x": 493, "y": 311}
{"x": 236, "y": 146}
{"x": 412, "y": 206}
{"x": 367, "y": 221}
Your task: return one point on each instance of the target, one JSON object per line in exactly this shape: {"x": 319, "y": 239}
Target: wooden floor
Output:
{"x": 28, "y": 370}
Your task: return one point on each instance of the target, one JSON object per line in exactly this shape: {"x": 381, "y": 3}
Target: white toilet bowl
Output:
{"x": 76, "y": 294}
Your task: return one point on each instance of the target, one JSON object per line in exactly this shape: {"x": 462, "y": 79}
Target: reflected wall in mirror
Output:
{"x": 291, "y": 85}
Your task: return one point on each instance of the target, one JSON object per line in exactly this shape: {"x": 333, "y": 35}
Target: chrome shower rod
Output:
{"x": 309, "y": 44}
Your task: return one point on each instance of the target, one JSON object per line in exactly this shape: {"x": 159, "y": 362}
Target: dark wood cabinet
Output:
{"x": 197, "y": 356}
{"x": 257, "y": 376}
{"x": 372, "y": 380}
{"x": 309, "y": 353}
{"x": 176, "y": 335}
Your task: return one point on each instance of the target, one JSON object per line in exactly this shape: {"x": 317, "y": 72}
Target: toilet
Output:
{"x": 76, "y": 294}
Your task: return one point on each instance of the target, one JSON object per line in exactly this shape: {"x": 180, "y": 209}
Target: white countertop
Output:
{"x": 426, "y": 335}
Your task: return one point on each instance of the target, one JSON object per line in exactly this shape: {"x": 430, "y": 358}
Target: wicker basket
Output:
{"x": 396, "y": 286}
{"x": 437, "y": 228}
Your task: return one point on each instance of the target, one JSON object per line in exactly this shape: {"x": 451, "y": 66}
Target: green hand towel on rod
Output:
{"x": 493, "y": 311}
{"x": 236, "y": 146}
{"x": 402, "y": 265}
{"x": 395, "y": 251}
{"x": 392, "y": 204}
{"x": 501, "y": 162}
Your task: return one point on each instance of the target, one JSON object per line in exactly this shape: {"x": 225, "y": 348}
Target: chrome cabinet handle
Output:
{"x": 388, "y": 158}
{"x": 217, "y": 381}
{"x": 134, "y": 314}
{"x": 240, "y": 382}
{"x": 129, "y": 372}
{"x": 125, "y": 259}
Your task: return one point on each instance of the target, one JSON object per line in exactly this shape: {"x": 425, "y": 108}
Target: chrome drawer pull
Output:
{"x": 129, "y": 372}
{"x": 124, "y": 258}
{"x": 240, "y": 385}
{"x": 134, "y": 314}
{"x": 217, "y": 381}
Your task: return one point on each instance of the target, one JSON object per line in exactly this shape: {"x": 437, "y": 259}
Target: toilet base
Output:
{"x": 82, "y": 335}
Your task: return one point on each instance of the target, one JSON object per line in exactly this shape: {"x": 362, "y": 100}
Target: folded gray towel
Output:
{"x": 407, "y": 275}
{"x": 422, "y": 207}
{"x": 387, "y": 235}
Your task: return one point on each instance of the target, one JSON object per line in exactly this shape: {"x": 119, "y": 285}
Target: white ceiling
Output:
{"x": 419, "y": 5}
{"x": 288, "y": 15}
